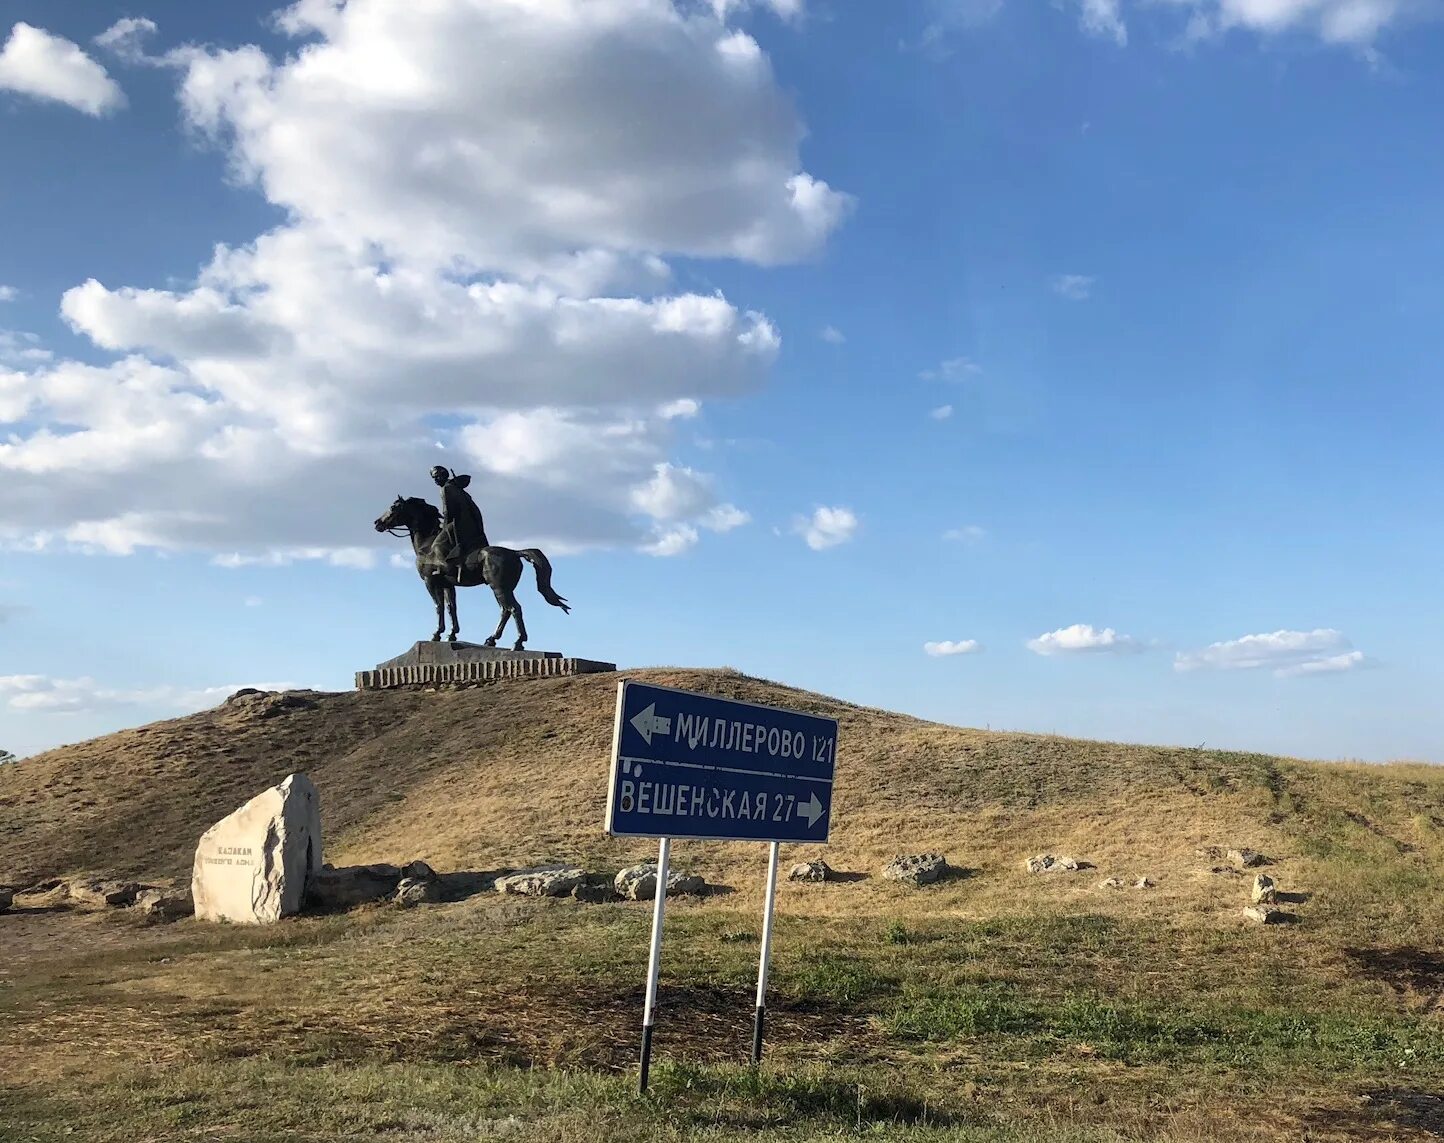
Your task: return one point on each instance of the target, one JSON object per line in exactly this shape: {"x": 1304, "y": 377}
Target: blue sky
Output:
{"x": 1096, "y": 344}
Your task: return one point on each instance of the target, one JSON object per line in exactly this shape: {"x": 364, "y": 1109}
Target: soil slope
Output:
{"x": 512, "y": 773}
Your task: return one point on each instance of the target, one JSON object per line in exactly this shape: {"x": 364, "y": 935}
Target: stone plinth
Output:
{"x": 437, "y": 663}
{"x": 251, "y": 866}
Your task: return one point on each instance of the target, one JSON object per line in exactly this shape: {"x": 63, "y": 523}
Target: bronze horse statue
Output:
{"x": 497, "y": 567}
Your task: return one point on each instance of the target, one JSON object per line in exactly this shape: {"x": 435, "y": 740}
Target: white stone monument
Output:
{"x": 251, "y": 866}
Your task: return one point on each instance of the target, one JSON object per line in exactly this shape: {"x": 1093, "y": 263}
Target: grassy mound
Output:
{"x": 995, "y": 1005}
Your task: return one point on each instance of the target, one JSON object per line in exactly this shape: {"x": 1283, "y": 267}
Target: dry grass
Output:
{"x": 992, "y": 1006}
{"x": 508, "y": 774}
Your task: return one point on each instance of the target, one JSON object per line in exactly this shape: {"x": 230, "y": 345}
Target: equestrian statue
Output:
{"x": 452, "y": 551}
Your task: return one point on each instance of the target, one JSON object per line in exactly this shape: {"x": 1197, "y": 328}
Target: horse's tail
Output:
{"x": 543, "y": 567}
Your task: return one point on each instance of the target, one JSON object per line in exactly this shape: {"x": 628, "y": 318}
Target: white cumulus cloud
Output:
{"x": 472, "y": 270}
{"x": 672, "y": 541}
{"x": 45, "y": 66}
{"x": 941, "y": 413}
{"x": 826, "y": 527}
{"x": 1353, "y": 23}
{"x": 630, "y": 125}
{"x": 49, "y": 695}
{"x": 952, "y": 369}
{"x": 1082, "y": 638}
{"x": 724, "y": 518}
{"x": 1288, "y": 654}
{"x": 8, "y": 293}
{"x": 126, "y": 38}
{"x": 1074, "y": 287}
{"x": 1105, "y": 18}
{"x": 952, "y": 647}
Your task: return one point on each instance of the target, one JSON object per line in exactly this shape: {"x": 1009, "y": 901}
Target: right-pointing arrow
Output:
{"x": 811, "y": 810}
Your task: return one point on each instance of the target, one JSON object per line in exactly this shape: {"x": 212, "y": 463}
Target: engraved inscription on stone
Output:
{"x": 251, "y": 866}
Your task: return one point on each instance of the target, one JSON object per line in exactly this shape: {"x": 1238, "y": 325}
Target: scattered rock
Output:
{"x": 98, "y": 894}
{"x": 1210, "y": 852}
{"x": 459, "y": 885}
{"x": 1247, "y": 858}
{"x": 1047, "y": 863}
{"x": 1265, "y": 890}
{"x": 7, "y": 898}
{"x": 810, "y": 871}
{"x": 916, "y": 868}
{"x": 1225, "y": 871}
{"x": 164, "y": 904}
{"x": 542, "y": 881}
{"x": 248, "y": 702}
{"x": 418, "y": 870}
{"x": 412, "y": 891}
{"x": 1143, "y": 883}
{"x": 594, "y": 892}
{"x": 1111, "y": 883}
{"x": 1264, "y": 914}
{"x": 639, "y": 883}
{"x": 352, "y": 885}
{"x": 252, "y": 866}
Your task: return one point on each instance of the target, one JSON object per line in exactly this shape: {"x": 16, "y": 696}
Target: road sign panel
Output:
{"x": 699, "y": 766}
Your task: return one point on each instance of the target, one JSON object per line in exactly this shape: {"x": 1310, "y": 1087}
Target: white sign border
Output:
{"x": 615, "y": 766}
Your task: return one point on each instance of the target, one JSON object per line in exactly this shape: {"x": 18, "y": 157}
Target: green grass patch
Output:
{"x": 1136, "y": 1033}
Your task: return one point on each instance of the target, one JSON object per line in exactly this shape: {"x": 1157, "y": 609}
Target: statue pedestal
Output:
{"x": 439, "y": 663}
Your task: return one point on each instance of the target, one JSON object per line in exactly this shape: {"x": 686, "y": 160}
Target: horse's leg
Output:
{"x": 507, "y": 577}
{"x": 451, "y": 603}
{"x": 520, "y": 644}
{"x": 502, "y": 596}
{"x": 438, "y": 597}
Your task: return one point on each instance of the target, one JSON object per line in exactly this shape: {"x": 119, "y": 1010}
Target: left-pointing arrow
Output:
{"x": 647, "y": 723}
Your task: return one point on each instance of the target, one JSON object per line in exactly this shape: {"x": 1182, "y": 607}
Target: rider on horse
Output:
{"x": 462, "y": 531}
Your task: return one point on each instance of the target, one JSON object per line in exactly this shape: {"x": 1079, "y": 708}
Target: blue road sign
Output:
{"x": 690, "y": 765}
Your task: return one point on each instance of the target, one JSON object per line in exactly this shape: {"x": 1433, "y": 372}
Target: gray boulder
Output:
{"x": 1111, "y": 883}
{"x": 352, "y": 885}
{"x": 542, "y": 881}
{"x": 595, "y": 891}
{"x": 1047, "y": 863}
{"x": 916, "y": 868}
{"x": 1265, "y": 890}
{"x": 95, "y": 893}
{"x": 1248, "y": 858}
{"x": 639, "y": 883}
{"x": 1143, "y": 883}
{"x": 418, "y": 870}
{"x": 412, "y": 891}
{"x": 810, "y": 871}
{"x": 1264, "y": 915}
{"x": 164, "y": 904}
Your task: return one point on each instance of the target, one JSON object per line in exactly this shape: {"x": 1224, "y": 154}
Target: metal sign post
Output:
{"x": 654, "y": 959}
{"x": 699, "y": 766}
{"x": 767, "y": 913}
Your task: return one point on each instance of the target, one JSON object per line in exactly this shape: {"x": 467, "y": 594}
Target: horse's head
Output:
{"x": 411, "y": 513}
{"x": 394, "y": 517}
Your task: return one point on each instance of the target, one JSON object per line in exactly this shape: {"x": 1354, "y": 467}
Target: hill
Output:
{"x": 996, "y": 1005}
{"x": 511, "y": 774}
